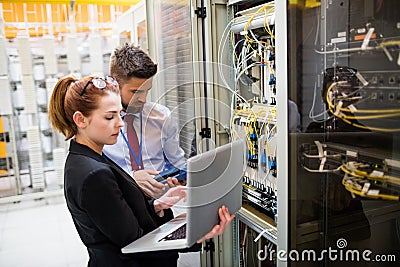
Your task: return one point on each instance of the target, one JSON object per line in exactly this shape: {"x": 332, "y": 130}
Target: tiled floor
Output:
{"x": 41, "y": 233}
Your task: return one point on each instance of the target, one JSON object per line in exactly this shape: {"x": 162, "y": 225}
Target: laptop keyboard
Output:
{"x": 179, "y": 233}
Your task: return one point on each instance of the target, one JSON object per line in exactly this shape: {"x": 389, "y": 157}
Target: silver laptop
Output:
{"x": 214, "y": 178}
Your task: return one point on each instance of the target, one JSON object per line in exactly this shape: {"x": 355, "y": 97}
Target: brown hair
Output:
{"x": 129, "y": 61}
{"x": 66, "y": 100}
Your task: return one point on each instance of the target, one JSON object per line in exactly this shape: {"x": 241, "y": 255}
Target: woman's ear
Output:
{"x": 80, "y": 120}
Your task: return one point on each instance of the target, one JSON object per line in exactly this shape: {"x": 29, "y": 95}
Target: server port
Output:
{"x": 391, "y": 96}
{"x": 381, "y": 80}
{"x": 392, "y": 80}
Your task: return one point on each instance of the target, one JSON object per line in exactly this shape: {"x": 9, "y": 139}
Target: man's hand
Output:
{"x": 224, "y": 219}
{"x": 146, "y": 182}
{"x": 172, "y": 182}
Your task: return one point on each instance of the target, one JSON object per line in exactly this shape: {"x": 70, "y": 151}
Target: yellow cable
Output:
{"x": 343, "y": 118}
{"x": 332, "y": 106}
{"x": 251, "y": 40}
{"x": 387, "y": 43}
{"x": 233, "y": 45}
{"x": 268, "y": 29}
{"x": 377, "y": 196}
{"x": 368, "y": 116}
{"x": 363, "y": 174}
{"x": 345, "y": 170}
{"x": 370, "y": 127}
{"x": 237, "y": 112}
{"x": 384, "y": 178}
{"x": 371, "y": 110}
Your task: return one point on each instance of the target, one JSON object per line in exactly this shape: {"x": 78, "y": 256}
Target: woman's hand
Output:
{"x": 224, "y": 219}
{"x": 170, "y": 198}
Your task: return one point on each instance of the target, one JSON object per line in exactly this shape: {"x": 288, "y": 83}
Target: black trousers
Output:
{"x": 106, "y": 258}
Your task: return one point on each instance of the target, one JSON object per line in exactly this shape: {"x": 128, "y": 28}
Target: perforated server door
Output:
{"x": 344, "y": 165}
{"x": 173, "y": 48}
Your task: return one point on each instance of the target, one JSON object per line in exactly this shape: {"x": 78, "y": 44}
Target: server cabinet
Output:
{"x": 333, "y": 86}
{"x": 323, "y": 129}
{"x": 340, "y": 65}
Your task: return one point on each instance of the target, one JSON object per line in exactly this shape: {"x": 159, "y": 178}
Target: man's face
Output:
{"x": 134, "y": 93}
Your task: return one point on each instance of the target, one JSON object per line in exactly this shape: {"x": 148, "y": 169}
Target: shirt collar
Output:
{"x": 123, "y": 113}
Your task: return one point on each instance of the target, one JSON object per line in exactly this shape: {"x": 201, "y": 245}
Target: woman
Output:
{"x": 108, "y": 208}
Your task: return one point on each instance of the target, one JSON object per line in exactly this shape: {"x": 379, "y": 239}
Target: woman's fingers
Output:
{"x": 225, "y": 219}
{"x": 211, "y": 234}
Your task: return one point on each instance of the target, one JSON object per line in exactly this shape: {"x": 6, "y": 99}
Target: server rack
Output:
{"x": 340, "y": 73}
{"x": 336, "y": 63}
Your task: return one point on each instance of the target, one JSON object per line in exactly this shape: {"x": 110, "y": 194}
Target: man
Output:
{"x": 156, "y": 131}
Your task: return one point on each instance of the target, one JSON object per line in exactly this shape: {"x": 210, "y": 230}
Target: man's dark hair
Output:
{"x": 129, "y": 61}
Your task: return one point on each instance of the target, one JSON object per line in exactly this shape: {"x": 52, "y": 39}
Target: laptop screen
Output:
{"x": 214, "y": 178}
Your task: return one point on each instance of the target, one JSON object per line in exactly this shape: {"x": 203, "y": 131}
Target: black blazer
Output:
{"x": 109, "y": 210}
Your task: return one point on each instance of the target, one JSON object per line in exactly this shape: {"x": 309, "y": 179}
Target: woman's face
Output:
{"x": 104, "y": 123}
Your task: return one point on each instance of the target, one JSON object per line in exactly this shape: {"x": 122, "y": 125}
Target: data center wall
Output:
{"x": 32, "y": 153}
{"x": 344, "y": 171}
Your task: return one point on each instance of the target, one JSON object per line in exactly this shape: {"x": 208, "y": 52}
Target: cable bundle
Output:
{"x": 343, "y": 106}
{"x": 357, "y": 180}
